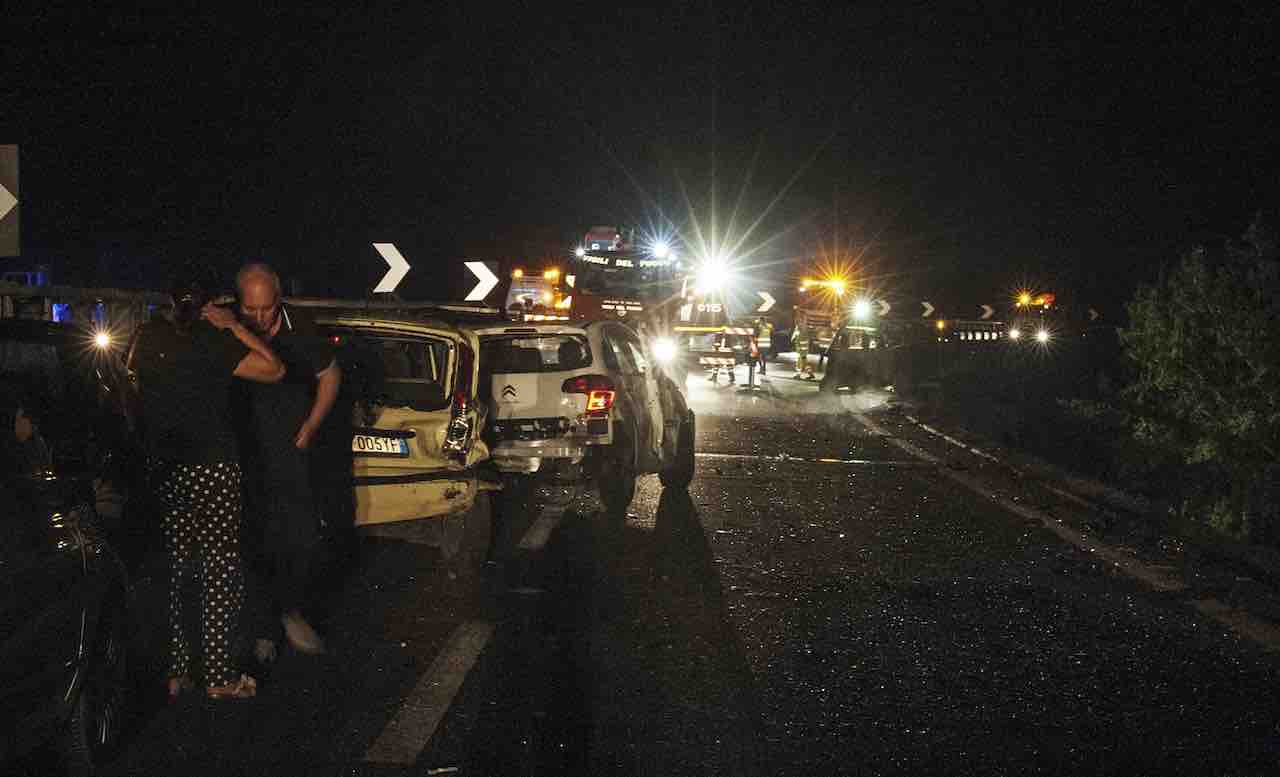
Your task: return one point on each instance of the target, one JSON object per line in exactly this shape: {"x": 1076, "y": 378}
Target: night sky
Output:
{"x": 960, "y": 151}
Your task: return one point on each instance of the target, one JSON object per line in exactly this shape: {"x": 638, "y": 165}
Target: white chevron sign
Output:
{"x": 485, "y": 280}
{"x": 768, "y": 303}
{"x": 928, "y": 309}
{"x": 397, "y": 268}
{"x": 987, "y": 310}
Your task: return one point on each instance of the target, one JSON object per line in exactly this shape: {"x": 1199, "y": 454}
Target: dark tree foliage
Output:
{"x": 1205, "y": 344}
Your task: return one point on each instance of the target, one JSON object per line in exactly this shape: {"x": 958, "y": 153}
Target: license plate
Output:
{"x": 372, "y": 445}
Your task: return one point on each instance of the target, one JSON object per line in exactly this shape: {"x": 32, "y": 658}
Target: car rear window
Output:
{"x": 514, "y": 354}
{"x": 393, "y": 370}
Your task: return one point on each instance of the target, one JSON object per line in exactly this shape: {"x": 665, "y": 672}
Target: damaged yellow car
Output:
{"x": 407, "y": 425}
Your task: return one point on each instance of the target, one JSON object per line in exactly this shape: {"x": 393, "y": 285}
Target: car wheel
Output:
{"x": 680, "y": 473}
{"x": 98, "y": 715}
{"x": 616, "y": 480}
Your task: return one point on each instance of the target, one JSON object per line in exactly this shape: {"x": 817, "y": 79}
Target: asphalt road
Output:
{"x": 839, "y": 592}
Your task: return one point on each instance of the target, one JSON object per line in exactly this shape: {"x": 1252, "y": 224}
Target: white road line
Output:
{"x": 540, "y": 531}
{"x": 784, "y": 458}
{"x": 401, "y": 742}
{"x": 953, "y": 440}
{"x": 1263, "y": 632}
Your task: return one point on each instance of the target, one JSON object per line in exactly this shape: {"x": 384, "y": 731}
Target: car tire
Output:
{"x": 616, "y": 480}
{"x": 99, "y": 712}
{"x": 680, "y": 474}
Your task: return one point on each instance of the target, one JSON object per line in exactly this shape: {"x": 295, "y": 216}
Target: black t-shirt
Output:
{"x": 185, "y": 384}
{"x": 279, "y": 409}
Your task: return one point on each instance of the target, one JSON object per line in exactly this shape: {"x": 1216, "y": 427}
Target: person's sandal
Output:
{"x": 176, "y": 685}
{"x": 244, "y": 688}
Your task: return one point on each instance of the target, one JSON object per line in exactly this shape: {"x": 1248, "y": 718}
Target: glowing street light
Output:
{"x": 660, "y": 250}
{"x": 1015, "y": 333}
{"x": 102, "y": 339}
{"x": 1042, "y": 336}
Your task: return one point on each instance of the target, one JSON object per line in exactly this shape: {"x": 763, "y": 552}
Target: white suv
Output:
{"x": 584, "y": 401}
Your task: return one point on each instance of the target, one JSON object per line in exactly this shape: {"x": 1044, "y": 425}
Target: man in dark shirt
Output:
{"x": 283, "y": 422}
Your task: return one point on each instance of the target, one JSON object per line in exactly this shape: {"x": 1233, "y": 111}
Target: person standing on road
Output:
{"x": 283, "y": 423}
{"x": 183, "y": 371}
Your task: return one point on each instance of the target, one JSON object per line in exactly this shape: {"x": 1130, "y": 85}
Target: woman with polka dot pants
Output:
{"x": 184, "y": 369}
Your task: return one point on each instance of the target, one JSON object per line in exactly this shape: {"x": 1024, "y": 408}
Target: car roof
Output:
{"x": 514, "y": 328}
{"x": 38, "y": 331}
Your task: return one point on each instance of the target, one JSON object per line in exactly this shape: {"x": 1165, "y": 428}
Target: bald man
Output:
{"x": 283, "y": 422}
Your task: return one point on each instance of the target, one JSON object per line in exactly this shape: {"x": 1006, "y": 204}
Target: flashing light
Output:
{"x": 1015, "y": 333}
{"x": 664, "y": 350}
{"x": 941, "y": 325}
{"x": 1024, "y": 299}
{"x": 102, "y": 339}
{"x": 552, "y": 275}
{"x": 862, "y": 309}
{"x": 517, "y": 273}
{"x": 579, "y": 252}
{"x": 1042, "y": 336}
{"x": 660, "y": 250}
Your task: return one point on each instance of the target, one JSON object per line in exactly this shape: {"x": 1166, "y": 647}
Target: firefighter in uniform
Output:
{"x": 764, "y": 341}
{"x": 800, "y": 337}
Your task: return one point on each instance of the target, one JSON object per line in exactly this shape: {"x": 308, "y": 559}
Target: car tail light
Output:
{"x": 598, "y": 388}
{"x": 462, "y": 418}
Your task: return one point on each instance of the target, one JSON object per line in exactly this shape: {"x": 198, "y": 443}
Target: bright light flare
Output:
{"x": 862, "y": 309}
{"x": 660, "y": 250}
{"x": 1042, "y": 336}
{"x": 102, "y": 339}
{"x": 664, "y": 350}
{"x": 517, "y": 273}
{"x": 551, "y": 275}
{"x": 1024, "y": 299}
{"x": 712, "y": 276}
{"x": 1015, "y": 333}
{"x": 579, "y": 252}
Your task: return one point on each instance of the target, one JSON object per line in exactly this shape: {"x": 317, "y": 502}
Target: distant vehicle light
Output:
{"x": 1024, "y": 298}
{"x": 664, "y": 350}
{"x": 579, "y": 252}
{"x": 862, "y": 309}
{"x": 1015, "y": 333}
{"x": 1042, "y": 336}
{"x": 517, "y": 273}
{"x": 941, "y": 325}
{"x": 546, "y": 296}
{"x": 552, "y": 274}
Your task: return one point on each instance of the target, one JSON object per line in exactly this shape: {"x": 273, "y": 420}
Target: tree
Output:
{"x": 1205, "y": 345}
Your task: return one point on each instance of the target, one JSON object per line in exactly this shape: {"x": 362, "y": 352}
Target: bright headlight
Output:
{"x": 1042, "y": 336}
{"x": 862, "y": 309}
{"x": 664, "y": 349}
{"x": 102, "y": 339}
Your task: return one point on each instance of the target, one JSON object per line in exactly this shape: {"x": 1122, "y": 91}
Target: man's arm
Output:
{"x": 260, "y": 365}
{"x": 328, "y": 381}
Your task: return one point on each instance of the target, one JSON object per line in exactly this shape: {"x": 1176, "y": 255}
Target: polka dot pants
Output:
{"x": 202, "y": 533}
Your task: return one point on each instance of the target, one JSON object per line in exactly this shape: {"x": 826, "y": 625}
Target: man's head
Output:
{"x": 260, "y": 296}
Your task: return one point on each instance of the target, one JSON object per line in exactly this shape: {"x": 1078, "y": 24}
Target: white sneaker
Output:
{"x": 300, "y": 634}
